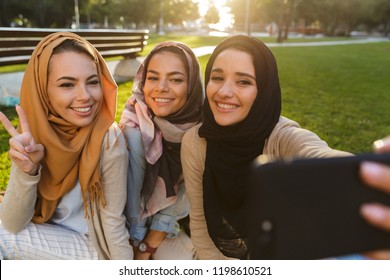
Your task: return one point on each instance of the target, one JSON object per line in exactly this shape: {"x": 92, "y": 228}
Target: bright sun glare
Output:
{"x": 226, "y": 19}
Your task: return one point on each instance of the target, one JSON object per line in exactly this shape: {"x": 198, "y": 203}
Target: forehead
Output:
{"x": 166, "y": 59}
{"x": 234, "y": 59}
{"x": 70, "y": 62}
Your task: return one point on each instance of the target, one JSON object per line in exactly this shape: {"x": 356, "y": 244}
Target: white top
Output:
{"x": 70, "y": 213}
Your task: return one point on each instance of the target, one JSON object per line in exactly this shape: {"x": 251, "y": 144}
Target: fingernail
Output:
{"x": 378, "y": 144}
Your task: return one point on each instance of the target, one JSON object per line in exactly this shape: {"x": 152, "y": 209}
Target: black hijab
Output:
{"x": 231, "y": 149}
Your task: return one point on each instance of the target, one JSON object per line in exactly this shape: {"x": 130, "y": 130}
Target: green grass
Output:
{"x": 339, "y": 92}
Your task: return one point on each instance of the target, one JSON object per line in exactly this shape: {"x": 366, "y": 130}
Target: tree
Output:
{"x": 178, "y": 11}
{"x": 379, "y": 16}
{"x": 212, "y": 15}
{"x": 12, "y": 9}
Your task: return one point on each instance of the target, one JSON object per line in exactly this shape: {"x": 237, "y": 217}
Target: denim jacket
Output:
{"x": 168, "y": 212}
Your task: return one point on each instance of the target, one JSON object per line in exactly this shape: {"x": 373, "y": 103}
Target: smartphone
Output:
{"x": 309, "y": 209}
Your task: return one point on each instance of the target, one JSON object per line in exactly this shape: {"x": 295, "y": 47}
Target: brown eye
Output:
{"x": 66, "y": 85}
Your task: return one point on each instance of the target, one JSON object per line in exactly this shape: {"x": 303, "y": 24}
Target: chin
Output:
{"x": 162, "y": 114}
{"x": 224, "y": 123}
{"x": 83, "y": 123}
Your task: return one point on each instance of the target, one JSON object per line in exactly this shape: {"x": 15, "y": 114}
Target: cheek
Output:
{"x": 250, "y": 99}
{"x": 146, "y": 88}
{"x": 57, "y": 99}
{"x": 183, "y": 94}
{"x": 97, "y": 94}
{"x": 209, "y": 90}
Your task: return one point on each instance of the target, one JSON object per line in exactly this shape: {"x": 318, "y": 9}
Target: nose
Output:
{"x": 163, "y": 85}
{"x": 82, "y": 93}
{"x": 226, "y": 90}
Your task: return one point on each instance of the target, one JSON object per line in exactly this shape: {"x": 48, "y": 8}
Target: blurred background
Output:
{"x": 279, "y": 18}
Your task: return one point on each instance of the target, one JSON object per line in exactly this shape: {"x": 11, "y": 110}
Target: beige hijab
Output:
{"x": 71, "y": 153}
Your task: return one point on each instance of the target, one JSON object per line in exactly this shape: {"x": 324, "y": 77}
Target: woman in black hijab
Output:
{"x": 241, "y": 121}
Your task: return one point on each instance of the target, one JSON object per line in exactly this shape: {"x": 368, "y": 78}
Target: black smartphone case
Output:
{"x": 309, "y": 209}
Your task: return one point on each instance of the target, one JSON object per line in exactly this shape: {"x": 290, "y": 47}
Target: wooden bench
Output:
{"x": 17, "y": 44}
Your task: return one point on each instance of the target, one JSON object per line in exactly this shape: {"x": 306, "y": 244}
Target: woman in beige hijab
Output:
{"x": 67, "y": 188}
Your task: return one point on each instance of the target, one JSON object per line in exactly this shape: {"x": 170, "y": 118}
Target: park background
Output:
{"x": 341, "y": 92}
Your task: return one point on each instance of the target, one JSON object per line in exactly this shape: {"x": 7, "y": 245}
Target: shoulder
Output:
{"x": 285, "y": 124}
{"x": 289, "y": 139}
{"x": 193, "y": 149}
{"x": 192, "y": 141}
{"x": 287, "y": 128}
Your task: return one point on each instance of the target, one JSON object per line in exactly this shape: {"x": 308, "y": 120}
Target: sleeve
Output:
{"x": 288, "y": 139}
{"x": 135, "y": 179}
{"x": 17, "y": 207}
{"x": 166, "y": 219}
{"x": 193, "y": 151}
{"x": 114, "y": 166}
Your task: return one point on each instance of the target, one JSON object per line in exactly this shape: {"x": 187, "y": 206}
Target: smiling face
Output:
{"x": 232, "y": 87}
{"x": 74, "y": 87}
{"x": 166, "y": 84}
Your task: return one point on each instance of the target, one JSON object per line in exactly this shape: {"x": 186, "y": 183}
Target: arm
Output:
{"x": 135, "y": 176}
{"x": 193, "y": 151}
{"x": 164, "y": 223}
{"x": 154, "y": 239}
{"x": 288, "y": 139}
{"x": 114, "y": 165}
{"x": 17, "y": 208}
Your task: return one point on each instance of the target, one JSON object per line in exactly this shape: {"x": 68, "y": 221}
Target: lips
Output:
{"x": 162, "y": 100}
{"x": 225, "y": 106}
{"x": 82, "y": 109}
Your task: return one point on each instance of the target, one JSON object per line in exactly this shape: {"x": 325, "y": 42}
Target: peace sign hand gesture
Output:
{"x": 24, "y": 152}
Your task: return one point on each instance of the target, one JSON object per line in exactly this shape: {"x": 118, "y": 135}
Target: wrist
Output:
{"x": 34, "y": 170}
{"x": 145, "y": 247}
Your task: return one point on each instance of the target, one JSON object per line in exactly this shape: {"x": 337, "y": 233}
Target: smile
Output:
{"x": 82, "y": 109}
{"x": 163, "y": 100}
{"x": 226, "y": 106}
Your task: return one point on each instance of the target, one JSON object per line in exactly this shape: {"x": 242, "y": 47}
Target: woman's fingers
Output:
{"x": 376, "y": 175}
{"x": 8, "y": 125}
{"x": 16, "y": 143}
{"x": 35, "y": 152}
{"x": 14, "y": 155}
{"x": 36, "y": 148}
{"x": 376, "y": 214}
{"x": 22, "y": 119}
{"x": 382, "y": 145}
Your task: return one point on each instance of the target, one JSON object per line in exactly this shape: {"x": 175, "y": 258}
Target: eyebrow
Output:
{"x": 75, "y": 79}
{"x": 169, "y": 74}
{"x": 242, "y": 74}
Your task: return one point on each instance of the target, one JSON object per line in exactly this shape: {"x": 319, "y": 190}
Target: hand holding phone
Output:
{"x": 309, "y": 209}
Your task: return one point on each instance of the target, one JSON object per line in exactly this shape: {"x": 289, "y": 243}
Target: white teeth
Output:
{"x": 226, "y": 106}
{"x": 82, "y": 110}
{"x": 162, "y": 100}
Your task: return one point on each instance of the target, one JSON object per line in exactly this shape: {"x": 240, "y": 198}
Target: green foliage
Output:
{"x": 333, "y": 16}
{"x": 5, "y": 163}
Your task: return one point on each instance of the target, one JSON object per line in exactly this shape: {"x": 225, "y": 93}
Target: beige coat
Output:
{"x": 286, "y": 140}
{"x": 106, "y": 228}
